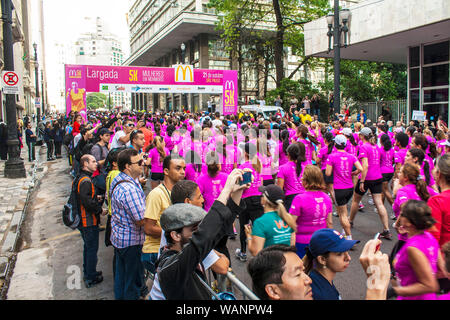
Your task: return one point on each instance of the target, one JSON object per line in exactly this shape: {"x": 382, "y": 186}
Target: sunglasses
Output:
{"x": 139, "y": 163}
{"x": 130, "y": 125}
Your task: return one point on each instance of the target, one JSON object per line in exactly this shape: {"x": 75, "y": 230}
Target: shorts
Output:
{"x": 157, "y": 176}
{"x": 268, "y": 181}
{"x": 387, "y": 177}
{"x": 375, "y": 186}
{"x": 288, "y": 201}
{"x": 343, "y": 196}
{"x": 327, "y": 179}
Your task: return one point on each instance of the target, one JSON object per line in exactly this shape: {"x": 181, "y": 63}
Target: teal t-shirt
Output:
{"x": 272, "y": 228}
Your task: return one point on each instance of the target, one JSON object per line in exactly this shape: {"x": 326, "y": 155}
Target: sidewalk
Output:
{"x": 14, "y": 195}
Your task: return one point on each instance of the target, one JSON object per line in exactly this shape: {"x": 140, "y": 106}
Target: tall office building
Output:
{"x": 97, "y": 46}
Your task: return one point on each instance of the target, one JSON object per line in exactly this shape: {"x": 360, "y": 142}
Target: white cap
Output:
{"x": 340, "y": 140}
{"x": 347, "y": 131}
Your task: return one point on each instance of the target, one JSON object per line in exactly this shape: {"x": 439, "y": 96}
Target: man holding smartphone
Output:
{"x": 122, "y": 137}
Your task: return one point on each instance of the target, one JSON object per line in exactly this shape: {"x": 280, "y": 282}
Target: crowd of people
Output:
{"x": 282, "y": 178}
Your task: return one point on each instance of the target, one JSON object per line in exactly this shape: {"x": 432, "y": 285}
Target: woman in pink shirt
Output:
{"x": 156, "y": 157}
{"x": 283, "y": 144}
{"x": 212, "y": 182}
{"x": 409, "y": 186}
{"x": 416, "y": 263}
{"x": 307, "y": 139}
{"x": 194, "y": 166}
{"x": 371, "y": 179}
{"x": 290, "y": 174}
{"x": 387, "y": 166}
{"x": 417, "y": 156}
{"x": 341, "y": 164}
{"x": 311, "y": 209}
{"x": 322, "y": 157}
{"x": 251, "y": 196}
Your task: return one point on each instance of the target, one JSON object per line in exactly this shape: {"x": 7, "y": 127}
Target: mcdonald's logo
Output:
{"x": 75, "y": 74}
{"x": 186, "y": 74}
{"x": 229, "y": 90}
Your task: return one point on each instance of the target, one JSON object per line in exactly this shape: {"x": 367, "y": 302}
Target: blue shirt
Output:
{"x": 127, "y": 207}
{"x": 322, "y": 289}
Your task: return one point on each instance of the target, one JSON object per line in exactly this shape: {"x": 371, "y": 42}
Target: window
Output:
{"x": 414, "y": 78}
{"x": 414, "y": 99}
{"x": 438, "y": 52}
{"x": 435, "y": 75}
{"x": 414, "y": 57}
{"x": 438, "y": 95}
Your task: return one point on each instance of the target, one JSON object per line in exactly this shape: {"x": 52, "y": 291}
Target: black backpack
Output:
{"x": 71, "y": 215}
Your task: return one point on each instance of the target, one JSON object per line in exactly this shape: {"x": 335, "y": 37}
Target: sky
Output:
{"x": 63, "y": 23}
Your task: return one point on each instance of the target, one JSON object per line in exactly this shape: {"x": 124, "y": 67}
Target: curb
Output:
{"x": 8, "y": 251}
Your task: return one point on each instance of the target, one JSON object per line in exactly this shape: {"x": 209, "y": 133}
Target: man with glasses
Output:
{"x": 127, "y": 221}
{"x": 122, "y": 137}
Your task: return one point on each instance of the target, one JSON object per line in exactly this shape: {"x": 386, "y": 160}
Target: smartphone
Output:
{"x": 377, "y": 236}
{"x": 246, "y": 178}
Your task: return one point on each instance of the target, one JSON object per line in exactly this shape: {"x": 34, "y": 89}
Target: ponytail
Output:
{"x": 422, "y": 190}
{"x": 282, "y": 212}
{"x": 308, "y": 261}
{"x": 426, "y": 171}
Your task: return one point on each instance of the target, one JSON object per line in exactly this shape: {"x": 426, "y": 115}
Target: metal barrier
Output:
{"x": 233, "y": 283}
{"x": 373, "y": 109}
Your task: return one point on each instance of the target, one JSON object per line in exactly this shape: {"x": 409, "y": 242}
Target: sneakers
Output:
{"x": 393, "y": 217}
{"x": 241, "y": 255}
{"x": 386, "y": 234}
{"x": 335, "y": 214}
{"x": 91, "y": 283}
{"x": 370, "y": 201}
{"x": 99, "y": 273}
{"x": 361, "y": 206}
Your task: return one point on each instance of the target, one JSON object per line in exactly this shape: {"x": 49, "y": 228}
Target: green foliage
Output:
{"x": 96, "y": 100}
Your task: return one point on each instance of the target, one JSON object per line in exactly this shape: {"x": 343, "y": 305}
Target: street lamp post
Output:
{"x": 36, "y": 75}
{"x": 14, "y": 166}
{"x": 183, "y": 54}
{"x": 334, "y": 21}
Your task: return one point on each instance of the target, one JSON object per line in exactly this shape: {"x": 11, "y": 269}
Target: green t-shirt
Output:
{"x": 272, "y": 228}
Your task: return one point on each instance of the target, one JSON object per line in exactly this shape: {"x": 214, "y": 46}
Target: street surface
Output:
{"x": 49, "y": 262}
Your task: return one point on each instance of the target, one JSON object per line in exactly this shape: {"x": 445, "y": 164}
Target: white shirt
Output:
{"x": 115, "y": 143}
{"x": 217, "y": 123}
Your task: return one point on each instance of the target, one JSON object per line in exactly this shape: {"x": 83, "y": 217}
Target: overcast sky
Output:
{"x": 63, "y": 23}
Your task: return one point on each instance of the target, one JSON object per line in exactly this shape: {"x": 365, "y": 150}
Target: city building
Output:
{"x": 414, "y": 32}
{"x": 23, "y": 60}
{"x": 100, "y": 47}
{"x": 157, "y": 30}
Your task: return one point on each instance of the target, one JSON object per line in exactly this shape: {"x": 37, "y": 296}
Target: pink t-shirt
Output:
{"x": 353, "y": 150}
{"x": 266, "y": 162}
{"x": 156, "y": 161}
{"x": 211, "y": 187}
{"x": 257, "y": 181}
{"x": 323, "y": 156}
{"x": 292, "y": 182}
{"x": 309, "y": 149}
{"x": 372, "y": 153}
{"x": 342, "y": 163}
{"x": 312, "y": 209}
{"x": 231, "y": 158}
{"x": 283, "y": 158}
{"x": 408, "y": 192}
{"x": 192, "y": 174}
{"x": 405, "y": 273}
{"x": 387, "y": 160}
{"x": 399, "y": 156}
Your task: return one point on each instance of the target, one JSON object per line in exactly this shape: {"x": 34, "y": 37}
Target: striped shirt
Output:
{"x": 127, "y": 206}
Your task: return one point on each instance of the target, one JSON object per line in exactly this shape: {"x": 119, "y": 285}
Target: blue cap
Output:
{"x": 329, "y": 240}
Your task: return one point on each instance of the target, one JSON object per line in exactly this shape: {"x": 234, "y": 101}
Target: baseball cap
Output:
{"x": 366, "y": 131}
{"x": 272, "y": 192}
{"x": 340, "y": 140}
{"x": 181, "y": 215}
{"x": 329, "y": 240}
{"x": 347, "y": 131}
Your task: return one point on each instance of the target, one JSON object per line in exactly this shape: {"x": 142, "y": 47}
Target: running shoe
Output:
{"x": 370, "y": 201}
{"x": 361, "y": 206}
{"x": 386, "y": 234}
{"x": 393, "y": 217}
{"x": 241, "y": 255}
{"x": 335, "y": 214}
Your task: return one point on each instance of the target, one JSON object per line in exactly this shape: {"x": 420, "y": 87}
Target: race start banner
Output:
{"x": 81, "y": 79}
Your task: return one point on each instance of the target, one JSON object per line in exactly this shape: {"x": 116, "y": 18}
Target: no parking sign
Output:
{"x": 11, "y": 82}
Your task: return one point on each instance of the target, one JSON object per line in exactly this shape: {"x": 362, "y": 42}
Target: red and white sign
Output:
{"x": 11, "y": 82}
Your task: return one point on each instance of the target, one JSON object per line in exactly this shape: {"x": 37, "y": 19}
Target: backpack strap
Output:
{"x": 121, "y": 181}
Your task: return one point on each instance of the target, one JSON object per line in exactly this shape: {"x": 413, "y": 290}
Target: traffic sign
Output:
{"x": 11, "y": 82}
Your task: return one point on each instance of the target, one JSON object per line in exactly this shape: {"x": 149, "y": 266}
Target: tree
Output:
{"x": 96, "y": 100}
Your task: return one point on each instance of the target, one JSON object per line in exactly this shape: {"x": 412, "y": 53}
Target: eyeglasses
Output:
{"x": 139, "y": 163}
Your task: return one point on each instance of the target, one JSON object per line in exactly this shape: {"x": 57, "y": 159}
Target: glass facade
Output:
{"x": 429, "y": 79}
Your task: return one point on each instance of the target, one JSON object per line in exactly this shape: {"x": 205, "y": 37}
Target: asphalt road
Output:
{"x": 50, "y": 260}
